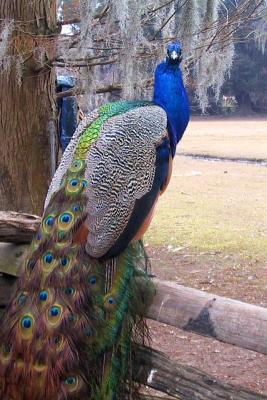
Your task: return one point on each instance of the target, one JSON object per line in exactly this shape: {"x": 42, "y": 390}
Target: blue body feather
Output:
{"x": 170, "y": 94}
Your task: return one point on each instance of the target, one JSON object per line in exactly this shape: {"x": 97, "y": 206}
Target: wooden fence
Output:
{"x": 220, "y": 318}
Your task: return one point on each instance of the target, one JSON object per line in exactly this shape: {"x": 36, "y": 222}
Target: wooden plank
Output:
{"x": 156, "y": 370}
{"x": 11, "y": 257}
{"x": 17, "y": 227}
{"x": 226, "y": 320}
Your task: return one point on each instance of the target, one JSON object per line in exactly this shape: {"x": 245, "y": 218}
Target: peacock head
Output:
{"x": 174, "y": 53}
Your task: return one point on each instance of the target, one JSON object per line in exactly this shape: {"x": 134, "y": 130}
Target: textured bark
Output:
{"x": 27, "y": 109}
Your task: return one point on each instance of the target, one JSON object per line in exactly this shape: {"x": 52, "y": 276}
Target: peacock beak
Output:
{"x": 176, "y": 57}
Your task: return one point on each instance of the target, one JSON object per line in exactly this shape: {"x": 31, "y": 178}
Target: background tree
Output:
{"x": 248, "y": 80}
{"x": 27, "y": 105}
{"x": 117, "y": 43}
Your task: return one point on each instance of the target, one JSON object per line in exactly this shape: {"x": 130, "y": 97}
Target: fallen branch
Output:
{"x": 157, "y": 371}
{"x": 79, "y": 91}
{"x": 103, "y": 89}
{"x": 227, "y": 320}
{"x": 17, "y": 227}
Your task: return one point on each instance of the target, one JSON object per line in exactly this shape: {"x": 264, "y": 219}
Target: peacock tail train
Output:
{"x": 67, "y": 332}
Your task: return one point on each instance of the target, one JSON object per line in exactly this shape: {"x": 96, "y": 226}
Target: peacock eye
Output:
{"x": 54, "y": 314}
{"x": 77, "y": 166}
{"x": 71, "y": 382}
{"x": 58, "y": 340}
{"x": 43, "y": 295}
{"x": 61, "y": 235}
{"x": 49, "y": 221}
{"x": 74, "y": 186}
{"x": 111, "y": 300}
{"x": 48, "y": 258}
{"x": 85, "y": 183}
{"x": 22, "y": 299}
{"x": 26, "y": 322}
{"x": 74, "y": 182}
{"x": 69, "y": 291}
{"x": 54, "y": 311}
{"x": 26, "y": 326}
{"x": 72, "y": 318}
{"x": 65, "y": 218}
{"x": 92, "y": 280}
{"x": 64, "y": 261}
{"x": 76, "y": 208}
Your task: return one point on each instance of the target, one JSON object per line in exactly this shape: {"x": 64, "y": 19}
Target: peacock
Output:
{"x": 79, "y": 304}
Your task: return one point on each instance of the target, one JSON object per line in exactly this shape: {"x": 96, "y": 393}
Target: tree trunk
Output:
{"x": 27, "y": 108}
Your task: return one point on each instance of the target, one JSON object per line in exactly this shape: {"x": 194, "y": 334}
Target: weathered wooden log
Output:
{"x": 17, "y": 227}
{"x": 157, "y": 371}
{"x": 226, "y": 320}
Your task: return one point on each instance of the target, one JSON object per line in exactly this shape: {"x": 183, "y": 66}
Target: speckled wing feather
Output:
{"x": 120, "y": 169}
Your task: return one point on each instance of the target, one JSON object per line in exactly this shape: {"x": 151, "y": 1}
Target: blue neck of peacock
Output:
{"x": 170, "y": 94}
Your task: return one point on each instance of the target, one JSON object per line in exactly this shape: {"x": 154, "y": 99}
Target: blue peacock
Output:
{"x": 78, "y": 306}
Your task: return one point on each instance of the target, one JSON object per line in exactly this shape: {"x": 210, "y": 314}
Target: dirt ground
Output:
{"x": 210, "y": 233}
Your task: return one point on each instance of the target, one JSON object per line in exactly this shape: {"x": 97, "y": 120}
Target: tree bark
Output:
{"x": 27, "y": 107}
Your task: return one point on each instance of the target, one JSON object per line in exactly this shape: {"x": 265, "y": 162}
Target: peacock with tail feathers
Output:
{"x": 78, "y": 306}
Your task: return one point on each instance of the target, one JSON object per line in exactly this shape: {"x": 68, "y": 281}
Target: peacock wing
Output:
{"x": 126, "y": 168}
